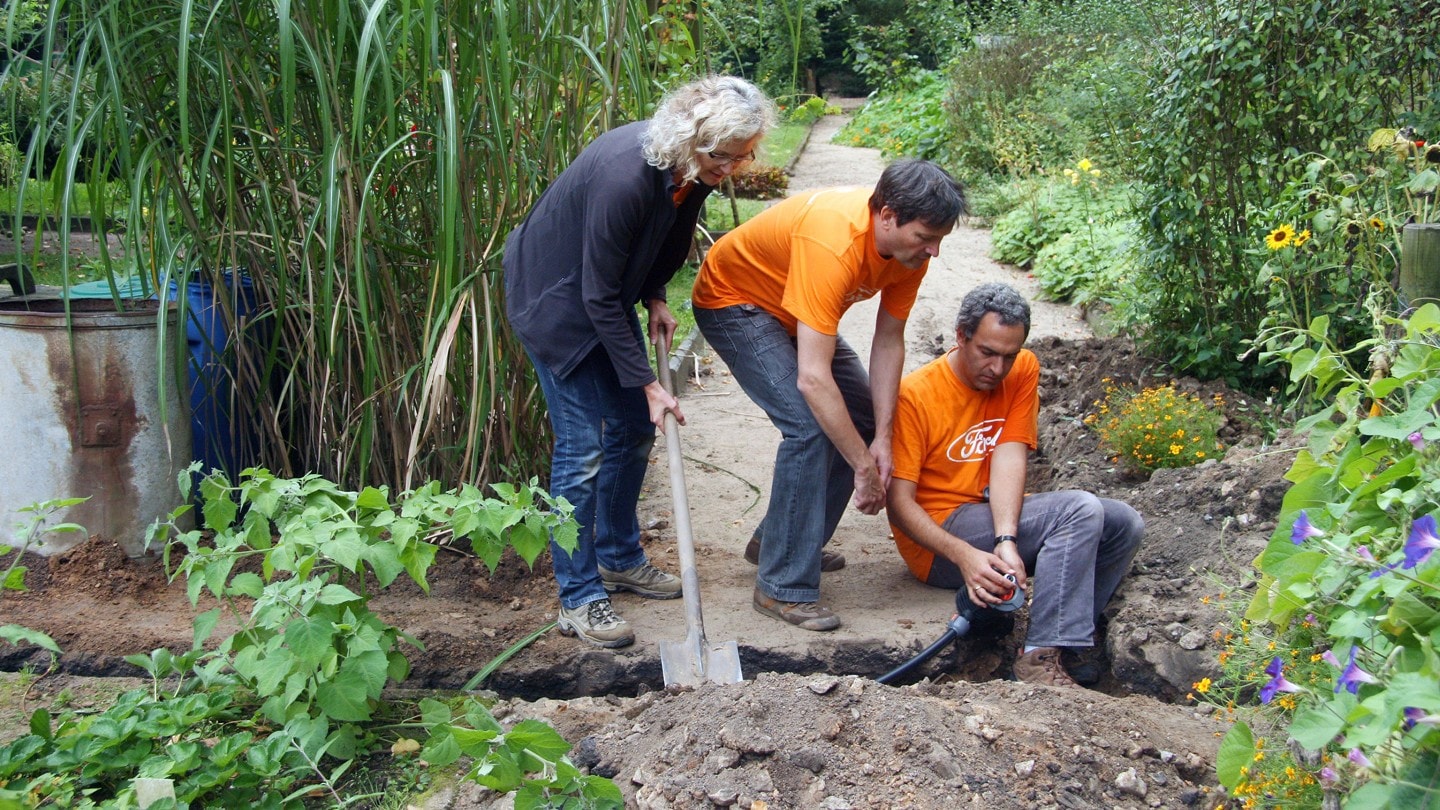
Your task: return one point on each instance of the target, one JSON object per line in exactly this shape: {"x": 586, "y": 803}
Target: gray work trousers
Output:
{"x": 1076, "y": 548}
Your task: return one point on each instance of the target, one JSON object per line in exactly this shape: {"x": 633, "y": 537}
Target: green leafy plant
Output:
{"x": 906, "y": 121}
{"x": 1157, "y": 427}
{"x": 294, "y": 561}
{"x": 1353, "y": 554}
{"x": 528, "y": 759}
{"x": 28, "y": 531}
{"x": 275, "y": 714}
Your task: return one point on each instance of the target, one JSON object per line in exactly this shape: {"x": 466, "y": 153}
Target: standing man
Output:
{"x": 607, "y": 234}
{"x": 769, "y": 298}
{"x": 964, "y": 426}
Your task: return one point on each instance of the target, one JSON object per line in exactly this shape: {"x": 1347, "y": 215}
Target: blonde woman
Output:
{"x": 607, "y": 234}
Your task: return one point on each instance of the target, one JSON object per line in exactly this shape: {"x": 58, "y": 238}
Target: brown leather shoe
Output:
{"x": 1042, "y": 666}
{"x": 829, "y": 560}
{"x": 804, "y": 615}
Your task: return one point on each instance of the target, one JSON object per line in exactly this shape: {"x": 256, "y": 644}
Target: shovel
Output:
{"x": 694, "y": 660}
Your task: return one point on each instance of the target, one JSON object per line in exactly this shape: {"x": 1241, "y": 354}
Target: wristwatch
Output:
{"x": 1005, "y": 538}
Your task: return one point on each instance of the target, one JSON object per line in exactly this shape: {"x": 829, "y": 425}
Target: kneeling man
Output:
{"x": 964, "y": 426}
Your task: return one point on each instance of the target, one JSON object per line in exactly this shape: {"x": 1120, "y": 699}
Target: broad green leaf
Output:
{"x": 269, "y": 671}
{"x": 475, "y": 742}
{"x": 417, "y": 559}
{"x": 247, "y": 583}
{"x": 344, "y": 698}
{"x": 40, "y": 723}
{"x": 1409, "y": 611}
{"x": 498, "y": 772}
{"x": 371, "y": 667}
{"x": 440, "y": 751}
{"x": 1315, "y": 727}
{"x": 334, "y": 594}
{"x": 219, "y": 510}
{"x": 372, "y": 498}
{"x": 538, "y": 738}
{"x": 345, "y": 548}
{"x": 529, "y": 539}
{"x": 384, "y": 560}
{"x": 15, "y": 579}
{"x": 1237, "y": 751}
{"x": 204, "y": 625}
{"x": 17, "y": 635}
{"x": 434, "y": 712}
{"x": 310, "y": 640}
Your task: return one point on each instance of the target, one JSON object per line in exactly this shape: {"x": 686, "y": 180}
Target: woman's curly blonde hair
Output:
{"x": 700, "y": 116}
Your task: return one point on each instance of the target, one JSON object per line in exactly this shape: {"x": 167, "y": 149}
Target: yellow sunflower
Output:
{"x": 1302, "y": 237}
{"x": 1280, "y": 237}
{"x": 1376, "y": 224}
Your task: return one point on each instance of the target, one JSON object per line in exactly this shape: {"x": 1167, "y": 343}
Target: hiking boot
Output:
{"x": 829, "y": 560}
{"x": 1085, "y": 664}
{"x": 644, "y": 579}
{"x": 596, "y": 623}
{"x": 804, "y": 615}
{"x": 1042, "y": 666}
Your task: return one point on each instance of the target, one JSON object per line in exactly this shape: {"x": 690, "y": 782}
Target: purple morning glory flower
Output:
{"x": 1416, "y": 440}
{"x": 1277, "y": 682}
{"x": 1412, "y": 716}
{"x": 1422, "y": 541}
{"x": 1384, "y": 569}
{"x": 1329, "y": 657}
{"x": 1363, "y": 552}
{"x": 1358, "y": 757}
{"x": 1303, "y": 529}
{"x": 1327, "y": 776}
{"x": 1353, "y": 676}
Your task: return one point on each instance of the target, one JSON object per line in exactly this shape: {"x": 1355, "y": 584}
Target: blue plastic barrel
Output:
{"x": 212, "y": 369}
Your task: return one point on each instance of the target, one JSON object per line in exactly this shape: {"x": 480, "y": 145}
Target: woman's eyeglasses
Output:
{"x": 731, "y": 160}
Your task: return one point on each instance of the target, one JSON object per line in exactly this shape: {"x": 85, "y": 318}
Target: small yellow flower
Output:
{"x": 1280, "y": 237}
{"x": 1376, "y": 224}
{"x": 1302, "y": 237}
{"x": 1202, "y": 686}
{"x": 1084, "y": 164}
{"x": 1175, "y": 449}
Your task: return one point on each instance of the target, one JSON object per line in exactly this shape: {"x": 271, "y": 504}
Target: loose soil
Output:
{"x": 810, "y": 727}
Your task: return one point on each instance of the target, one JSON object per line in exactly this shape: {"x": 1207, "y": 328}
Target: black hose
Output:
{"x": 925, "y": 655}
{"x": 959, "y": 625}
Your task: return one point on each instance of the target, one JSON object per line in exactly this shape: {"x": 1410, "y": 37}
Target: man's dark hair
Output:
{"x": 1001, "y": 299}
{"x": 918, "y": 189}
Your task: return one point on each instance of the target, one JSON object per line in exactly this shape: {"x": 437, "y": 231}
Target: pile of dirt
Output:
{"x": 847, "y": 742}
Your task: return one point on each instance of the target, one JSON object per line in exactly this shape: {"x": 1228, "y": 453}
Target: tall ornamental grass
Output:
{"x": 361, "y": 163}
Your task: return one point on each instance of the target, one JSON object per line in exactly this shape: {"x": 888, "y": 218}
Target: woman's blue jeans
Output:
{"x": 812, "y": 483}
{"x": 603, "y": 437}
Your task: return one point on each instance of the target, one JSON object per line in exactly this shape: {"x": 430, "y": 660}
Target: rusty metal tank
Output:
{"x": 80, "y": 415}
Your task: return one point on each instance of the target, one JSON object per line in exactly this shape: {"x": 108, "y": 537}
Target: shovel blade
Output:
{"x": 687, "y": 664}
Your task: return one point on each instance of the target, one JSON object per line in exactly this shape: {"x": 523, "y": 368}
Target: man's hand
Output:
{"x": 1011, "y": 555}
{"x": 660, "y": 401}
{"x": 869, "y": 495}
{"x": 884, "y": 462}
{"x": 985, "y": 581}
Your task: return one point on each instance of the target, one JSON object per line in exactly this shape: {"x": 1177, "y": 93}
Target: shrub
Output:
{"x": 1247, "y": 86}
{"x": 908, "y": 121}
{"x": 1157, "y": 427}
{"x": 761, "y": 182}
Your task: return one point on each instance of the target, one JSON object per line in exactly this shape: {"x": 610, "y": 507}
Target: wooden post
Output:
{"x": 1420, "y": 264}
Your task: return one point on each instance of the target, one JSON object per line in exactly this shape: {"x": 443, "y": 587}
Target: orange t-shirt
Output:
{"x": 807, "y": 259}
{"x": 944, "y": 433}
